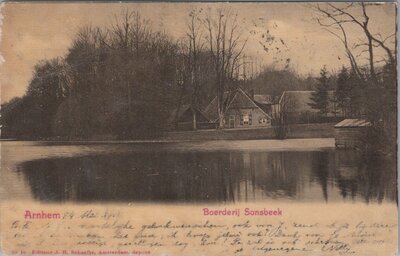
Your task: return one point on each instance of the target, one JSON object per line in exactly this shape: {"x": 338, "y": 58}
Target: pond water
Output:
{"x": 192, "y": 173}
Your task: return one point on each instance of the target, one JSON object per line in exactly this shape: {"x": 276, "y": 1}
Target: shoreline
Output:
{"x": 299, "y": 131}
{"x": 303, "y": 144}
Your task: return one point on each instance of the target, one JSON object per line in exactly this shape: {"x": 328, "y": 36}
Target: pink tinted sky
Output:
{"x": 35, "y": 31}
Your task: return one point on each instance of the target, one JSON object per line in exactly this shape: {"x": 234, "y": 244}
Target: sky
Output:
{"x": 31, "y": 32}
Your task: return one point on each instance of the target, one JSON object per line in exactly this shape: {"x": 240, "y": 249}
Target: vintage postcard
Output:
{"x": 198, "y": 128}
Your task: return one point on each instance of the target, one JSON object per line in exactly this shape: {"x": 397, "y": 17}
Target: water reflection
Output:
{"x": 212, "y": 177}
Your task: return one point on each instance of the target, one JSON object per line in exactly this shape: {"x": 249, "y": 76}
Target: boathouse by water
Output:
{"x": 351, "y": 133}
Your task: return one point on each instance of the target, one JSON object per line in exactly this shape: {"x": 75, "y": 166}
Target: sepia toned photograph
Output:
{"x": 201, "y": 128}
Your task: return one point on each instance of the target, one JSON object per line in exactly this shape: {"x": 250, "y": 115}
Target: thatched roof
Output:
{"x": 211, "y": 111}
{"x": 182, "y": 110}
{"x": 264, "y": 99}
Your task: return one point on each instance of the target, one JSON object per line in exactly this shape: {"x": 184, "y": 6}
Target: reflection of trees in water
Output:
{"x": 159, "y": 177}
{"x": 275, "y": 174}
{"x": 320, "y": 169}
{"x": 372, "y": 178}
{"x": 138, "y": 177}
{"x": 207, "y": 177}
{"x": 346, "y": 169}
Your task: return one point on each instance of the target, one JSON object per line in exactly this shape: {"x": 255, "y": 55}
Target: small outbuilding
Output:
{"x": 351, "y": 133}
{"x": 188, "y": 117}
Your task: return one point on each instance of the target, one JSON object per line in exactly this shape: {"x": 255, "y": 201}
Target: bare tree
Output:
{"x": 226, "y": 46}
{"x": 195, "y": 46}
{"x": 286, "y": 106}
{"x": 337, "y": 19}
{"x": 130, "y": 31}
{"x": 130, "y": 35}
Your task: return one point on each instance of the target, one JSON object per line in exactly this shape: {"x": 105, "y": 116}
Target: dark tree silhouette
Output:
{"x": 319, "y": 98}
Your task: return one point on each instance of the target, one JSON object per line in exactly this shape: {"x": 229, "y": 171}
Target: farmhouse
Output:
{"x": 241, "y": 111}
{"x": 351, "y": 133}
{"x": 249, "y": 110}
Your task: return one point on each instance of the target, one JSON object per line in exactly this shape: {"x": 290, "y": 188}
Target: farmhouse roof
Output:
{"x": 237, "y": 99}
{"x": 176, "y": 116}
{"x": 263, "y": 99}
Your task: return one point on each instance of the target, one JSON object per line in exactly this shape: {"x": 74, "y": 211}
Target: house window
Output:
{"x": 246, "y": 119}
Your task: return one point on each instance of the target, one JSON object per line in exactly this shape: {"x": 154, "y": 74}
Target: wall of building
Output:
{"x": 258, "y": 118}
{"x": 350, "y": 137}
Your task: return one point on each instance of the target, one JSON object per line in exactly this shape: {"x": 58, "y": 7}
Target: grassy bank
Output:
{"x": 324, "y": 130}
{"x": 297, "y": 131}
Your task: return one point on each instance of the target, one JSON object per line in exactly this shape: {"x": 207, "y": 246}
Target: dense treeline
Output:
{"x": 31, "y": 116}
{"x": 121, "y": 81}
{"x": 116, "y": 77}
{"x": 275, "y": 82}
{"x": 374, "y": 99}
{"x": 369, "y": 98}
